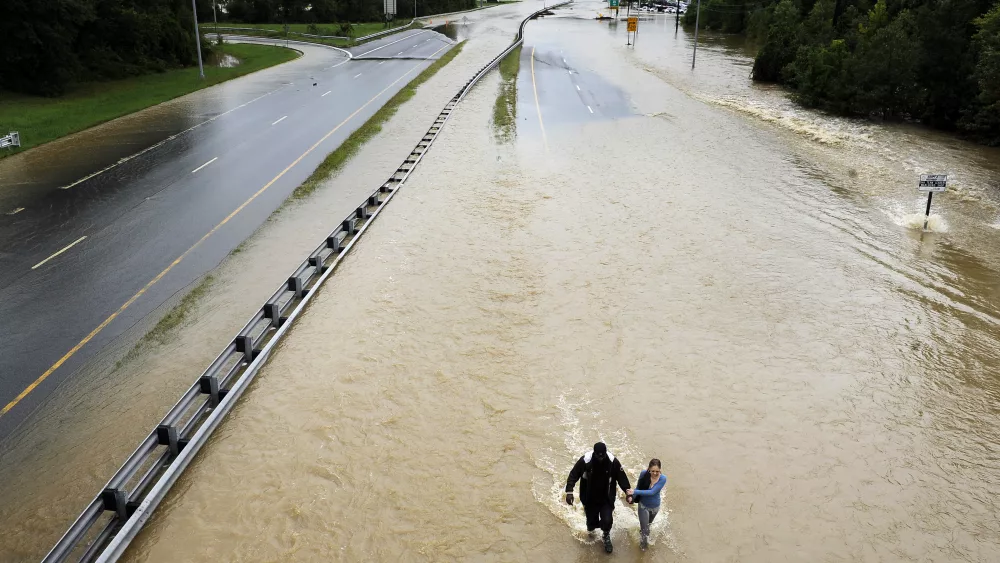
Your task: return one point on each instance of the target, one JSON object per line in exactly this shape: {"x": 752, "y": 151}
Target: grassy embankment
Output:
{"x": 276, "y": 31}
{"x": 40, "y": 120}
{"x": 505, "y": 108}
{"x": 336, "y": 159}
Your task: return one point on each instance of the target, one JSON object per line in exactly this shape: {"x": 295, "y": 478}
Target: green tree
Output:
{"x": 885, "y": 63}
{"x": 38, "y": 57}
{"x": 781, "y": 46}
{"x": 984, "y": 120}
{"x": 824, "y": 77}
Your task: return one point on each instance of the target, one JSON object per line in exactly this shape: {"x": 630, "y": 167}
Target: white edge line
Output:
{"x": 204, "y": 165}
{"x": 275, "y": 123}
{"x": 327, "y": 92}
{"x": 15, "y": 211}
{"x": 164, "y": 141}
{"x": 338, "y": 64}
{"x": 393, "y": 43}
{"x": 591, "y": 109}
{"x": 266, "y": 41}
{"x": 358, "y": 74}
{"x": 65, "y": 248}
{"x": 578, "y": 88}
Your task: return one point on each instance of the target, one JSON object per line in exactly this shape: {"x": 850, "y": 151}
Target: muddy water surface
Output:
{"x": 740, "y": 292}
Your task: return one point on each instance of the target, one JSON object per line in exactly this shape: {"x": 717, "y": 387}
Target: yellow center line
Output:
{"x": 537, "y": 105}
{"x": 159, "y": 276}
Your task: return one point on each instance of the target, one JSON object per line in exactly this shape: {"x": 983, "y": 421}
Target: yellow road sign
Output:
{"x": 633, "y": 24}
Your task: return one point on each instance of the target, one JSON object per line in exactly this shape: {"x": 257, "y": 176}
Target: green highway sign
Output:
{"x": 612, "y": 3}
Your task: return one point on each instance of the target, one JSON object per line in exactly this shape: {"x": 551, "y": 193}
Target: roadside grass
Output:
{"x": 350, "y": 147}
{"x": 505, "y": 107}
{"x": 40, "y": 120}
{"x": 357, "y": 29}
{"x": 163, "y": 329}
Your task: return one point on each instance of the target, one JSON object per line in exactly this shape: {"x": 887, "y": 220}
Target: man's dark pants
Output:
{"x": 598, "y": 516}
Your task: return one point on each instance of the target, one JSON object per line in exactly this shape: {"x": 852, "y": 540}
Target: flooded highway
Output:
{"x": 682, "y": 264}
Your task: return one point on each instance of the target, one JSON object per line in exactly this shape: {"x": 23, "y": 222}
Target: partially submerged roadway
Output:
{"x": 113, "y": 222}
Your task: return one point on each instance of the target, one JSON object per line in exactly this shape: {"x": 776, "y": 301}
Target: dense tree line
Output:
{"x": 49, "y": 44}
{"x": 937, "y": 61}
{"x": 329, "y": 11}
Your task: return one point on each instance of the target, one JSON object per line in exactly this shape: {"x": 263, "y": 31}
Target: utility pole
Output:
{"x": 697, "y": 18}
{"x": 677, "y": 19}
{"x": 197, "y": 40}
{"x": 215, "y": 18}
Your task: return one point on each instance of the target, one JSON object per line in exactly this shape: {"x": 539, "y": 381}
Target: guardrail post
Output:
{"x": 317, "y": 262}
{"x": 116, "y": 500}
{"x": 350, "y": 226}
{"x": 209, "y": 385}
{"x": 296, "y": 287}
{"x": 272, "y": 311}
{"x": 244, "y": 344}
{"x": 167, "y": 436}
{"x": 333, "y": 241}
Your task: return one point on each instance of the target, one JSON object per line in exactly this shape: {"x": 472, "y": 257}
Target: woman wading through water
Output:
{"x": 647, "y": 494}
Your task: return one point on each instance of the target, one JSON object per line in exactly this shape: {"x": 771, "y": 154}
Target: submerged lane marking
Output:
{"x": 591, "y": 110}
{"x": 34, "y": 384}
{"x": 537, "y": 105}
{"x": 327, "y": 92}
{"x": 65, "y": 248}
{"x": 358, "y": 74}
{"x": 577, "y": 88}
{"x": 210, "y": 161}
{"x": 280, "y": 120}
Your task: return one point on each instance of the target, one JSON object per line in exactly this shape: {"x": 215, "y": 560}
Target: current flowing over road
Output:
{"x": 88, "y": 256}
{"x": 680, "y": 263}
{"x": 683, "y": 265}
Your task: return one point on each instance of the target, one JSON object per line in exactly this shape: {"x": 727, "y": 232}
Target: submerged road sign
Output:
{"x": 933, "y": 182}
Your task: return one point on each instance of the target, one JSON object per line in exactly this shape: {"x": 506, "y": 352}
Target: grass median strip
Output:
{"x": 40, "y": 120}
{"x": 350, "y": 147}
{"x": 505, "y": 107}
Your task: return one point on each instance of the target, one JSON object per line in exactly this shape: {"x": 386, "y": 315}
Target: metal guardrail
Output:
{"x": 11, "y": 140}
{"x": 111, "y": 521}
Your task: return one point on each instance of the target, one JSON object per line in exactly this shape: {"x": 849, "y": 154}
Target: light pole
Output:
{"x": 197, "y": 40}
{"x": 697, "y": 17}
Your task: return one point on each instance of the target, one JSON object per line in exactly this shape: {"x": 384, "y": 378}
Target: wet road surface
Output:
{"x": 85, "y": 260}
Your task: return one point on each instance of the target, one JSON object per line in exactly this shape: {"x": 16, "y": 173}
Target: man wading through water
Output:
{"x": 598, "y": 470}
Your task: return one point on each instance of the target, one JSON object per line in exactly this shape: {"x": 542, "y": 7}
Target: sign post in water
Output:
{"x": 931, "y": 183}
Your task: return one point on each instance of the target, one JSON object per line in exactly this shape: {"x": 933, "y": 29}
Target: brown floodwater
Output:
{"x": 684, "y": 265}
